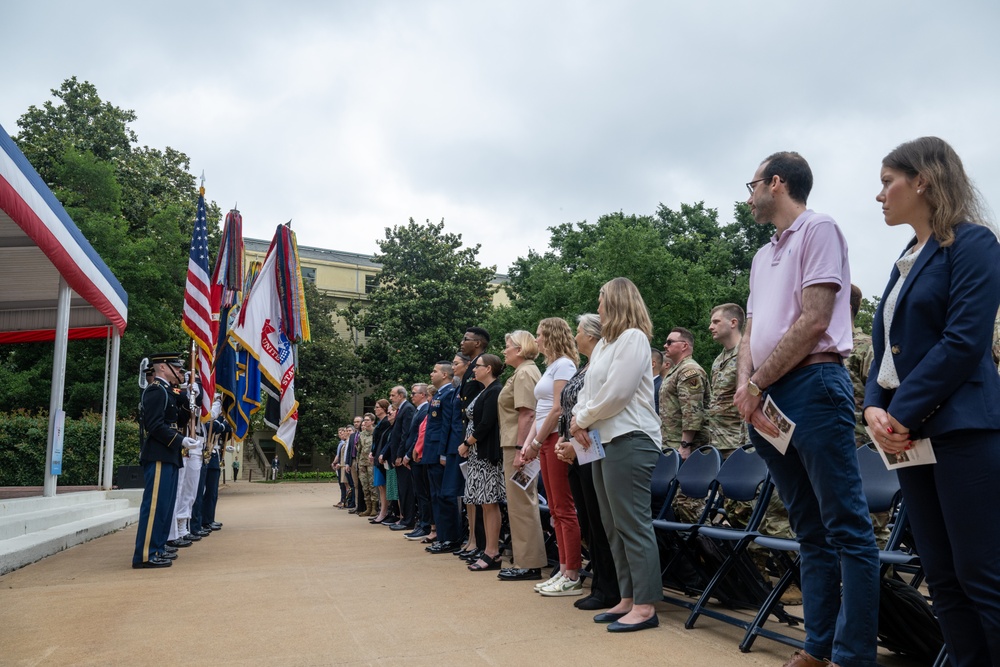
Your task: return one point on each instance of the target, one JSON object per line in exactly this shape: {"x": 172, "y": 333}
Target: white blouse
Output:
{"x": 887, "y": 377}
{"x": 617, "y": 394}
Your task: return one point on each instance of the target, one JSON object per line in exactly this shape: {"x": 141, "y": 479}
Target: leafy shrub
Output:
{"x": 23, "y": 441}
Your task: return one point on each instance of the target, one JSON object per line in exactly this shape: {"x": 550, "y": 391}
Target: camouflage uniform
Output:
{"x": 365, "y": 474}
{"x": 858, "y": 364}
{"x": 726, "y": 428}
{"x": 683, "y": 397}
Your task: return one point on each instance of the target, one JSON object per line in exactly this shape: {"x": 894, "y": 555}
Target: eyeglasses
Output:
{"x": 480, "y": 366}
{"x": 671, "y": 342}
{"x": 753, "y": 184}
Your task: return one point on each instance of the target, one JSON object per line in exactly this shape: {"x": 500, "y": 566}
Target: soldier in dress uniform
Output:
{"x": 160, "y": 457}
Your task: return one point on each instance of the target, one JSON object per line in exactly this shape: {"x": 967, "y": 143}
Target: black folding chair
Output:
{"x": 663, "y": 484}
{"x": 743, "y": 477}
{"x": 695, "y": 479}
{"x": 881, "y": 489}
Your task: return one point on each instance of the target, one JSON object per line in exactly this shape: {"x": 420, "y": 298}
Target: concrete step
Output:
{"x": 26, "y": 549}
{"x": 24, "y": 523}
{"x": 11, "y": 506}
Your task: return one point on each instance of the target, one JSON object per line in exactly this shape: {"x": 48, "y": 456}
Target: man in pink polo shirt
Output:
{"x": 798, "y": 330}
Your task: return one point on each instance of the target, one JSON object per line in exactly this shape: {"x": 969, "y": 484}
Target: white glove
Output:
{"x": 191, "y": 443}
{"x": 216, "y": 408}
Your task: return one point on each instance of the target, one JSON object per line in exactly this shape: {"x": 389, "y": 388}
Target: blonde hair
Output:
{"x": 559, "y": 341}
{"x": 950, "y": 193}
{"x": 623, "y": 309}
{"x": 525, "y": 342}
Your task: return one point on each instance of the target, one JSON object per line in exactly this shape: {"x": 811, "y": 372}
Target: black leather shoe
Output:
{"x": 201, "y": 532}
{"x": 167, "y": 556}
{"x": 465, "y": 553}
{"x": 519, "y": 574}
{"x": 215, "y": 525}
{"x": 417, "y": 534}
{"x": 400, "y": 526}
{"x": 178, "y": 543}
{"x": 152, "y": 562}
{"x": 169, "y": 549}
{"x": 473, "y": 557}
{"x": 609, "y": 617}
{"x": 617, "y": 626}
{"x": 191, "y": 537}
{"x": 445, "y": 548}
{"x": 390, "y": 520}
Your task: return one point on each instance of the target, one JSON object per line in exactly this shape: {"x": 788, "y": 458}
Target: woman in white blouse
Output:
{"x": 617, "y": 403}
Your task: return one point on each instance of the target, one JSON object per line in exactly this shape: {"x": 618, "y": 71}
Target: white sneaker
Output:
{"x": 563, "y": 587}
{"x": 556, "y": 577}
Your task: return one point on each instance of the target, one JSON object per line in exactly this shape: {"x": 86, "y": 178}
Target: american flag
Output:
{"x": 200, "y": 319}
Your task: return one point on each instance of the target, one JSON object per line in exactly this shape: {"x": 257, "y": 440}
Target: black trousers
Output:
{"x": 602, "y": 562}
{"x": 422, "y": 491}
{"x": 407, "y": 498}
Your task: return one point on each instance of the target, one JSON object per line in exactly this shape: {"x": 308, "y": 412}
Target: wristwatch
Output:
{"x": 753, "y": 388}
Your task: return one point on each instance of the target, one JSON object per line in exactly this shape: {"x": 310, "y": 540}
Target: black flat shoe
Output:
{"x": 609, "y": 617}
{"x": 651, "y": 622}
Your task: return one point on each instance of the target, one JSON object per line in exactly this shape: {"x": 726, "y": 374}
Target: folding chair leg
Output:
{"x": 768, "y": 607}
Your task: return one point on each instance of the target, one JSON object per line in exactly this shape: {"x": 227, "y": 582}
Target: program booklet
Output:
{"x": 784, "y": 425}
{"x": 920, "y": 453}
{"x": 595, "y": 452}
{"x": 527, "y": 473}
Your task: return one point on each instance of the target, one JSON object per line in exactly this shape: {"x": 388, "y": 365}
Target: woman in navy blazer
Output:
{"x": 933, "y": 377}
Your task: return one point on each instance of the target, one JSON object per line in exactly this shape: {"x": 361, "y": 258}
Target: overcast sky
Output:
{"x": 504, "y": 119}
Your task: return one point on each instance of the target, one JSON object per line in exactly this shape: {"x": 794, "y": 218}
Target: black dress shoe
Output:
{"x": 473, "y": 557}
{"x": 445, "y": 548}
{"x": 418, "y": 534}
{"x": 180, "y": 542}
{"x": 519, "y": 574}
{"x": 152, "y": 562}
{"x": 390, "y": 520}
{"x": 191, "y": 537}
{"x": 400, "y": 526}
{"x": 465, "y": 553}
{"x": 167, "y": 556}
{"x": 169, "y": 549}
{"x": 201, "y": 532}
{"x": 215, "y": 525}
{"x": 617, "y": 626}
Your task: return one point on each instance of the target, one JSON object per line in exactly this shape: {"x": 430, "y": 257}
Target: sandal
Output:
{"x": 492, "y": 563}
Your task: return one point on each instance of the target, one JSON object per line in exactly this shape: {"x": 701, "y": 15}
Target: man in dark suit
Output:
{"x": 445, "y": 509}
{"x": 398, "y": 438}
{"x": 418, "y": 468}
{"x": 160, "y": 457}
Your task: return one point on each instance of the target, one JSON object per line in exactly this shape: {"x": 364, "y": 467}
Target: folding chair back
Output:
{"x": 881, "y": 486}
{"x": 696, "y": 476}
{"x": 662, "y": 485}
{"x": 742, "y": 474}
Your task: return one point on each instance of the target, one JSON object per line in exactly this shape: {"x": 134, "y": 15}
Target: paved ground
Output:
{"x": 292, "y": 581}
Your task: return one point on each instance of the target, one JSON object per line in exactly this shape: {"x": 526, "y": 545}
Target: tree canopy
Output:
{"x": 429, "y": 291}
{"x": 136, "y": 207}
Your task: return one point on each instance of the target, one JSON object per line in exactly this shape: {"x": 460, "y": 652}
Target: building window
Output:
{"x": 371, "y": 282}
{"x": 309, "y": 274}
{"x": 370, "y": 330}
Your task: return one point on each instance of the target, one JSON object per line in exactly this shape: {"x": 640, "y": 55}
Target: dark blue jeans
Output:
{"x": 819, "y": 482}
{"x": 950, "y": 506}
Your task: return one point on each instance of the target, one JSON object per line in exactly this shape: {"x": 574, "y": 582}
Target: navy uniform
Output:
{"x": 160, "y": 457}
{"x": 213, "y": 473}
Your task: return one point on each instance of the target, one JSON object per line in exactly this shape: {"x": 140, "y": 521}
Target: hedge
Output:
{"x": 23, "y": 443}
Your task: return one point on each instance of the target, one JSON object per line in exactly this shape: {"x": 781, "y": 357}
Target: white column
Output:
{"x": 111, "y": 412}
{"x": 58, "y": 378}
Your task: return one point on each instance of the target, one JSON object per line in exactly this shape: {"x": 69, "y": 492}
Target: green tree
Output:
{"x": 326, "y": 378}
{"x": 136, "y": 207}
{"x": 429, "y": 291}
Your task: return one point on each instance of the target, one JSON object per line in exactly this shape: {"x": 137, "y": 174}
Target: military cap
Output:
{"x": 171, "y": 358}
